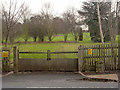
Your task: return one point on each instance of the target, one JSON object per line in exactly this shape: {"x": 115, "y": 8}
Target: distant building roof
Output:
{"x": 84, "y": 27}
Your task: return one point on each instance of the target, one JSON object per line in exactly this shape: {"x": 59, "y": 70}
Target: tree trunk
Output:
{"x": 35, "y": 39}
{"x": 6, "y": 40}
{"x": 80, "y": 39}
{"x": 75, "y": 38}
{"x": 65, "y": 38}
{"x": 100, "y": 26}
{"x": 41, "y": 39}
{"x": 50, "y": 38}
{"x": 11, "y": 40}
{"x": 26, "y": 40}
{"x": 2, "y": 41}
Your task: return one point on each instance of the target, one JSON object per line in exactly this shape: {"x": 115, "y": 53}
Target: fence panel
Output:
{"x": 48, "y": 61}
{"x": 100, "y": 58}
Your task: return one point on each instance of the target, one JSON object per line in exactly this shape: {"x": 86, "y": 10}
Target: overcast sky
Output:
{"x": 58, "y": 6}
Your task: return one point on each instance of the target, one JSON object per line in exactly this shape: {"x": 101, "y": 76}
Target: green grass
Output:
{"x": 44, "y": 47}
{"x": 60, "y": 37}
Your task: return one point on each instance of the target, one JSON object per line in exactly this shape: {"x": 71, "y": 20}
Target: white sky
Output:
{"x": 58, "y": 6}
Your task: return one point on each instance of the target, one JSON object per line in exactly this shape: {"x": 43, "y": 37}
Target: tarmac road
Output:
{"x": 44, "y": 79}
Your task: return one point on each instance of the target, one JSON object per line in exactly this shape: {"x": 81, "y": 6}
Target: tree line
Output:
{"x": 19, "y": 22}
{"x": 39, "y": 25}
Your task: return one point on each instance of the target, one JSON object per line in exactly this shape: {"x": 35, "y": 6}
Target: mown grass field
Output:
{"x": 43, "y": 47}
{"x": 59, "y": 37}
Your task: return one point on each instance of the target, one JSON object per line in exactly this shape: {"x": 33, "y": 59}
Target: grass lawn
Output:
{"x": 60, "y": 37}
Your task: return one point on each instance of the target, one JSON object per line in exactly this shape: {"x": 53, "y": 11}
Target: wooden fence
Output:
{"x": 98, "y": 58}
{"x": 47, "y": 63}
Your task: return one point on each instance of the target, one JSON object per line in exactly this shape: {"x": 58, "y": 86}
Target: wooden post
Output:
{"x": 9, "y": 60}
{"x": 48, "y": 55}
{"x": 119, "y": 56}
{"x": 15, "y": 59}
{"x": 80, "y": 61}
{"x": 1, "y": 63}
{"x": 6, "y": 60}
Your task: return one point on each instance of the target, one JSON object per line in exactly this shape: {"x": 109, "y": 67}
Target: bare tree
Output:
{"x": 15, "y": 32}
{"x": 36, "y": 28}
{"x": 25, "y": 17}
{"x": 48, "y": 20}
{"x": 11, "y": 14}
{"x": 73, "y": 21}
{"x": 70, "y": 18}
{"x": 113, "y": 23}
{"x": 69, "y": 22}
{"x": 66, "y": 25}
{"x": 57, "y": 25}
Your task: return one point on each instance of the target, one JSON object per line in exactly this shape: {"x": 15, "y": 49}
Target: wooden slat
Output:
{"x": 51, "y": 59}
{"x": 103, "y": 48}
{"x": 98, "y": 53}
{"x": 92, "y": 56}
{"x": 43, "y": 64}
{"x": 33, "y": 52}
{"x": 109, "y": 58}
{"x": 64, "y": 52}
{"x": 97, "y": 56}
{"x": 86, "y": 60}
{"x": 105, "y": 57}
{"x": 83, "y": 54}
{"x": 46, "y": 52}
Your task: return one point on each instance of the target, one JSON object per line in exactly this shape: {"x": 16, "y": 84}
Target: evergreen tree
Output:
{"x": 89, "y": 14}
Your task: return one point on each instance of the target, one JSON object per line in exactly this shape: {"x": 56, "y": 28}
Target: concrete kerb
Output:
{"x": 7, "y": 74}
{"x": 90, "y": 78}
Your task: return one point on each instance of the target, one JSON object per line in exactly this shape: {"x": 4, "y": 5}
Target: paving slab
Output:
{"x": 105, "y": 76}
